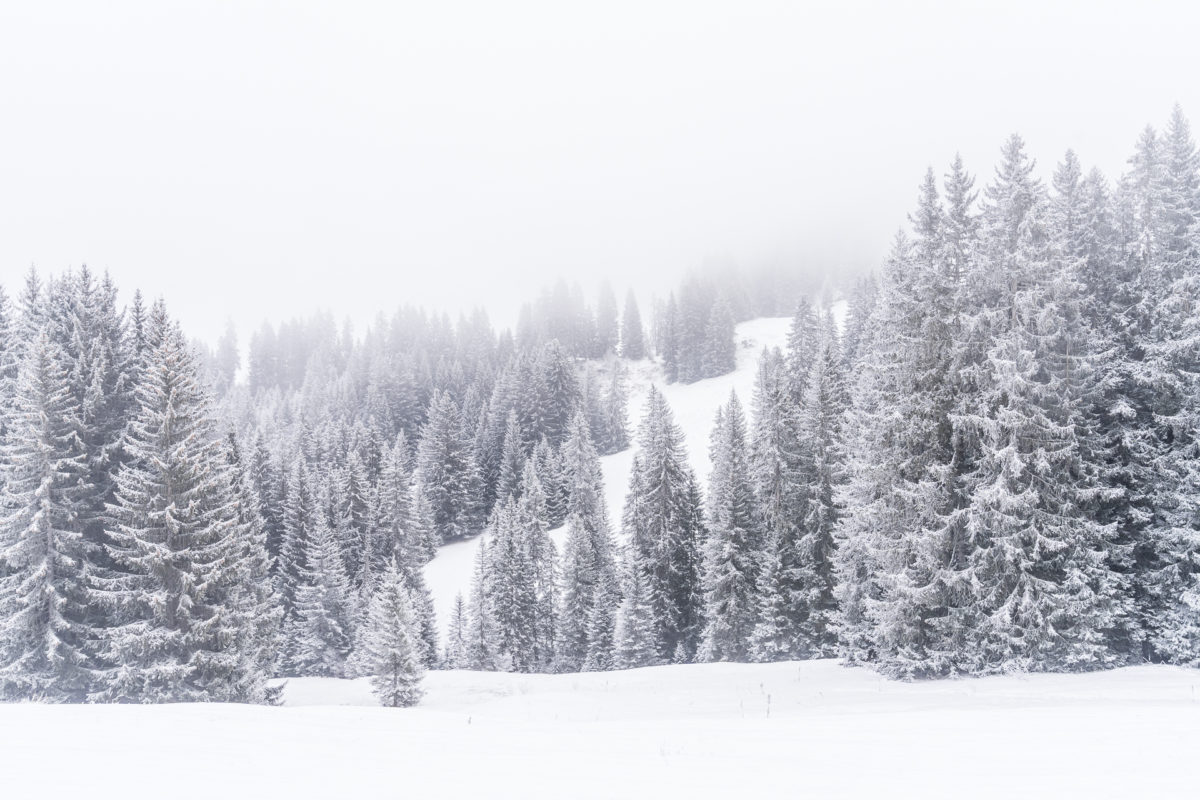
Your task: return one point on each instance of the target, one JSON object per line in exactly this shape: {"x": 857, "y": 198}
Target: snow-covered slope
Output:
{"x": 811, "y": 729}
{"x": 694, "y": 406}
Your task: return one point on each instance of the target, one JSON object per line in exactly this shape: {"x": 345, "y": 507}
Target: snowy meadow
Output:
{"x": 704, "y": 730}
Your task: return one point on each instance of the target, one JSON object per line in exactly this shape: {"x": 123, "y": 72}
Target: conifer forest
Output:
{"x": 558, "y": 401}
{"x": 982, "y": 458}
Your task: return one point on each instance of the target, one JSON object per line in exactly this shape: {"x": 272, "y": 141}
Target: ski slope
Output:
{"x": 694, "y": 406}
{"x": 805, "y": 730}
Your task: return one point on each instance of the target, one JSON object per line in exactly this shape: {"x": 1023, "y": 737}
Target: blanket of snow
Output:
{"x": 694, "y": 406}
{"x": 812, "y": 729}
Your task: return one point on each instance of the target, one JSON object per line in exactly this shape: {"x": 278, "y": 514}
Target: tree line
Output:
{"x": 988, "y": 466}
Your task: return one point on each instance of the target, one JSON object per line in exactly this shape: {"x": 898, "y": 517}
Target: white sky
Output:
{"x": 262, "y": 159}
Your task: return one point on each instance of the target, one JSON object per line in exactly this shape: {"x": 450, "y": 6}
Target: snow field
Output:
{"x": 694, "y": 731}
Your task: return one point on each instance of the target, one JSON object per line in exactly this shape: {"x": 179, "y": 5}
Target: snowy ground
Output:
{"x": 810, "y": 729}
{"x": 694, "y": 406}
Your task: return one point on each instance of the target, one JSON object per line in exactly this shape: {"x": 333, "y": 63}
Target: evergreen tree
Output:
{"x": 254, "y": 605}
{"x": 557, "y": 393}
{"x": 633, "y": 344}
{"x": 511, "y": 592}
{"x": 353, "y": 500}
{"x": 606, "y": 321}
{"x": 635, "y": 642}
{"x": 424, "y": 535}
{"x": 392, "y": 656}
{"x": 777, "y": 467}
{"x": 321, "y": 634}
{"x": 449, "y": 476}
{"x": 512, "y": 460}
{"x": 861, "y": 306}
{"x": 720, "y": 350}
{"x": 393, "y": 536}
{"x": 81, "y": 315}
{"x": 174, "y": 597}
{"x": 665, "y": 529}
{"x": 531, "y": 519}
{"x": 551, "y": 476}
{"x": 894, "y": 492}
{"x": 269, "y": 491}
{"x": 820, "y": 435}
{"x": 1167, "y": 560}
{"x": 731, "y": 564}
{"x": 801, "y": 348}
{"x": 10, "y": 354}
{"x": 1038, "y": 566}
{"x": 615, "y": 413}
{"x": 482, "y": 646}
{"x": 588, "y": 567}
{"x": 299, "y": 519}
{"x": 455, "y": 656}
{"x": 668, "y": 340}
{"x": 46, "y": 644}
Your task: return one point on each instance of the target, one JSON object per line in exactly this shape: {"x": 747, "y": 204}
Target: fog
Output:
{"x": 259, "y": 160}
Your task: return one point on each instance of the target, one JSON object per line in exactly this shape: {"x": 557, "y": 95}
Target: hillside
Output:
{"x": 693, "y": 405}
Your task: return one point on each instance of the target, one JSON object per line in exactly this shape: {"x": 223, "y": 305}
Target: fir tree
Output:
{"x": 449, "y": 476}
{"x": 551, "y": 476}
{"x": 820, "y": 432}
{"x": 482, "y": 647}
{"x": 512, "y": 460}
{"x": 511, "y": 591}
{"x": 633, "y": 345}
{"x": 46, "y": 649}
{"x": 531, "y": 520}
{"x": 455, "y": 656}
{"x": 320, "y": 633}
{"x": 606, "y": 321}
{"x": 720, "y": 350}
{"x": 668, "y": 340}
{"x": 174, "y": 597}
{"x": 635, "y": 643}
{"x": 588, "y": 567}
{"x": 392, "y": 652}
{"x": 254, "y": 605}
{"x": 731, "y": 564}
{"x": 615, "y": 412}
{"x": 299, "y": 519}
{"x": 778, "y": 466}
{"x": 665, "y": 529}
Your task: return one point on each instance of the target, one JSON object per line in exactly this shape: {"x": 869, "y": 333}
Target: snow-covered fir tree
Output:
{"x": 47, "y": 646}
{"x": 777, "y": 466}
{"x": 256, "y": 609}
{"x": 320, "y": 633}
{"x": 589, "y": 581}
{"x": 455, "y": 654}
{"x": 392, "y": 656}
{"x": 820, "y": 418}
{"x": 448, "y": 471}
{"x": 664, "y": 525}
{"x": 175, "y": 595}
{"x": 634, "y": 640}
{"x": 482, "y": 645}
{"x": 732, "y": 553}
{"x": 720, "y": 350}
{"x": 633, "y": 343}
{"x": 511, "y": 593}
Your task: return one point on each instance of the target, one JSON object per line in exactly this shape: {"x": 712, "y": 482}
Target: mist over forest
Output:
{"x": 638, "y": 401}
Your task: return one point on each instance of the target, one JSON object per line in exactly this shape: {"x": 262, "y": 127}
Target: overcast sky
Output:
{"x": 263, "y": 159}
